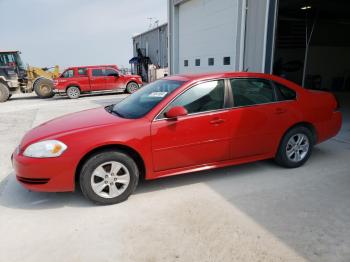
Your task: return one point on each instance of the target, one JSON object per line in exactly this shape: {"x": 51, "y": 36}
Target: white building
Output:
{"x": 263, "y": 36}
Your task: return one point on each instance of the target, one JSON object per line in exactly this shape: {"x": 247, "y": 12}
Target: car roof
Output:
{"x": 93, "y": 66}
{"x": 206, "y": 76}
{"x": 193, "y": 78}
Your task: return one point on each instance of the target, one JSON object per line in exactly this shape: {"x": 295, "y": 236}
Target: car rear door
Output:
{"x": 82, "y": 77}
{"x": 201, "y": 137}
{"x": 258, "y": 119}
{"x": 97, "y": 79}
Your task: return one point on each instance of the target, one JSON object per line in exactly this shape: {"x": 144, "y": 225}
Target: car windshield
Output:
{"x": 144, "y": 100}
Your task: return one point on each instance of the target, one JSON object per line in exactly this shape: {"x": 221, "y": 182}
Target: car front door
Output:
{"x": 201, "y": 137}
{"x": 257, "y": 118}
{"x": 97, "y": 79}
{"x": 114, "y": 80}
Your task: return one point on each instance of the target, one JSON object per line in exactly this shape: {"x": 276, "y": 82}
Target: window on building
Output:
{"x": 82, "y": 71}
{"x": 97, "y": 72}
{"x": 227, "y": 60}
{"x": 197, "y": 62}
{"x": 248, "y": 92}
{"x": 68, "y": 73}
{"x": 284, "y": 93}
{"x": 211, "y": 61}
{"x": 203, "y": 97}
{"x": 186, "y": 63}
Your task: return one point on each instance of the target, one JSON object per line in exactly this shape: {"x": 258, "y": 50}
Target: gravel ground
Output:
{"x": 253, "y": 212}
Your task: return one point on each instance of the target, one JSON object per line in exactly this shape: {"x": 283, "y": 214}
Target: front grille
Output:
{"x": 33, "y": 181}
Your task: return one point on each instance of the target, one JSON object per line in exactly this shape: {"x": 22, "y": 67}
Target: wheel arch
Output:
{"x": 113, "y": 147}
{"x": 131, "y": 81}
{"x": 72, "y": 84}
{"x": 306, "y": 124}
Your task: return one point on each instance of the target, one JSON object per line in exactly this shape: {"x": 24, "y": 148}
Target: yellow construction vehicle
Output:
{"x": 14, "y": 76}
{"x": 40, "y": 80}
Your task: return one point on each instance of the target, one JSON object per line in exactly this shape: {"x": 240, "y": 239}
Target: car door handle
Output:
{"x": 280, "y": 111}
{"x": 216, "y": 121}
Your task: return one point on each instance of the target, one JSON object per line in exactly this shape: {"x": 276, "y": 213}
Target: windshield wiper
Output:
{"x": 110, "y": 109}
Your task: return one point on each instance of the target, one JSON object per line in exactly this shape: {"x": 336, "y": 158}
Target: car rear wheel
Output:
{"x": 295, "y": 148}
{"x": 4, "y": 93}
{"x": 132, "y": 87}
{"x": 73, "y": 92}
{"x": 109, "y": 177}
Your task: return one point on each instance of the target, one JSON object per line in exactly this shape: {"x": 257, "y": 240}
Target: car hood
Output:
{"x": 71, "y": 123}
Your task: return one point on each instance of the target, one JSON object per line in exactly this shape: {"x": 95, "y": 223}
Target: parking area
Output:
{"x": 253, "y": 212}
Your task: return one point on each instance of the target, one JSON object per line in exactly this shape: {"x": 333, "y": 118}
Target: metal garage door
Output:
{"x": 208, "y": 35}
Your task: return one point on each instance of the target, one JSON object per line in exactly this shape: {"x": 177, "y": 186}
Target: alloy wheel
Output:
{"x": 297, "y": 147}
{"x": 110, "y": 179}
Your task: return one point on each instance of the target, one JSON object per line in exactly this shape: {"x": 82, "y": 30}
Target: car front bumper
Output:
{"x": 44, "y": 174}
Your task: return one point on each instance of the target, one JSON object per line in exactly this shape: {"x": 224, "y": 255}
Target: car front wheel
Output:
{"x": 295, "y": 148}
{"x": 109, "y": 177}
{"x": 132, "y": 87}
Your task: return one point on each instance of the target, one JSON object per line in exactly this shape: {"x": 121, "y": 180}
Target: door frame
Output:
{"x": 227, "y": 98}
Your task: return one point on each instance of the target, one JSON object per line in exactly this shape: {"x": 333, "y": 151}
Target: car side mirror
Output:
{"x": 176, "y": 112}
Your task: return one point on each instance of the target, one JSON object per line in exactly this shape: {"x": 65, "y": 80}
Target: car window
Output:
{"x": 203, "y": 97}
{"x": 82, "y": 71}
{"x": 248, "y": 92}
{"x": 111, "y": 72}
{"x": 144, "y": 100}
{"x": 97, "y": 72}
{"x": 284, "y": 93}
{"x": 68, "y": 73}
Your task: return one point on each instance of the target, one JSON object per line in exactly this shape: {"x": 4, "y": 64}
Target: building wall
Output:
{"x": 155, "y": 44}
{"x": 203, "y": 29}
{"x": 256, "y": 35}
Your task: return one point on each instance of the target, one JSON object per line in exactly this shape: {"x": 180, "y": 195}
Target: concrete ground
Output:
{"x": 253, "y": 212}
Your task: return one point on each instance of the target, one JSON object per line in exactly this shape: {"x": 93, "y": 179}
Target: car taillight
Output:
{"x": 337, "y": 104}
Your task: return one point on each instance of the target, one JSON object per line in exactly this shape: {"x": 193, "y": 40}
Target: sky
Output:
{"x": 76, "y": 32}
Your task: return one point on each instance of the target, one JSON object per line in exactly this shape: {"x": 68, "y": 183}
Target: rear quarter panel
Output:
{"x": 319, "y": 109}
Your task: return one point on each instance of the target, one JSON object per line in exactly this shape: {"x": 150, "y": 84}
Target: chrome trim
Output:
{"x": 229, "y": 108}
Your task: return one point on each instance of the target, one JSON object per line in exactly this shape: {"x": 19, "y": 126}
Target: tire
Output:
{"x": 99, "y": 183}
{"x": 132, "y": 87}
{"x": 43, "y": 88}
{"x": 4, "y": 93}
{"x": 73, "y": 92}
{"x": 295, "y": 148}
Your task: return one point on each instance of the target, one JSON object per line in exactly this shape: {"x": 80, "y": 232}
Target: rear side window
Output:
{"x": 97, "y": 72}
{"x": 82, "y": 71}
{"x": 247, "y": 92}
{"x": 68, "y": 73}
{"x": 284, "y": 93}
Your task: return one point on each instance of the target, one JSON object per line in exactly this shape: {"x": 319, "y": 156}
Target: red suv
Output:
{"x": 87, "y": 79}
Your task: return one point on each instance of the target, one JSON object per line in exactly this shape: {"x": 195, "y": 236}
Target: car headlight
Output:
{"x": 45, "y": 149}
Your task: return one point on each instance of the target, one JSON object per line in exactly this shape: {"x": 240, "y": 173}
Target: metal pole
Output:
{"x": 307, "y": 45}
{"x": 243, "y": 34}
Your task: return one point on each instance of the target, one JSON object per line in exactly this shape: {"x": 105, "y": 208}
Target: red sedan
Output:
{"x": 176, "y": 125}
